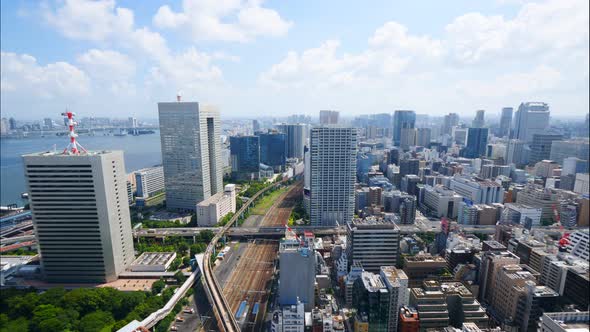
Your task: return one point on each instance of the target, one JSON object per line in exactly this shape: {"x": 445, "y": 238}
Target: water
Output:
{"x": 140, "y": 151}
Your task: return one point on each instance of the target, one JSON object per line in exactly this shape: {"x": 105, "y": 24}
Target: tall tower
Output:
{"x": 531, "y": 118}
{"x": 402, "y": 119}
{"x": 329, "y": 117}
{"x": 333, "y": 168}
{"x": 191, "y": 153}
{"x": 479, "y": 119}
{"x": 295, "y": 140}
{"x": 80, "y": 212}
{"x": 506, "y": 121}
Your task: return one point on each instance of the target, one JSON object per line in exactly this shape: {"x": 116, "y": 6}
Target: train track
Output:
{"x": 223, "y": 313}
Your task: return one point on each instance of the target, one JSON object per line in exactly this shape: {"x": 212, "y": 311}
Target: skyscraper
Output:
{"x": 531, "y": 118}
{"x": 451, "y": 120}
{"x": 477, "y": 141}
{"x": 479, "y": 120}
{"x": 295, "y": 140}
{"x": 191, "y": 153}
{"x": 423, "y": 136}
{"x": 245, "y": 157}
{"x": 541, "y": 146}
{"x": 402, "y": 119}
{"x": 505, "y": 121}
{"x": 80, "y": 214}
{"x": 273, "y": 149}
{"x": 329, "y": 117}
{"x": 332, "y": 176}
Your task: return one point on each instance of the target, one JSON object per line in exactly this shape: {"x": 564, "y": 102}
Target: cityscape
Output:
{"x": 185, "y": 214}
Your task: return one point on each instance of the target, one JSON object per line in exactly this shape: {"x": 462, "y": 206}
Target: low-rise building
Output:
{"x": 421, "y": 267}
{"x": 441, "y": 201}
{"x": 577, "y": 321}
{"x": 152, "y": 262}
{"x": 211, "y": 210}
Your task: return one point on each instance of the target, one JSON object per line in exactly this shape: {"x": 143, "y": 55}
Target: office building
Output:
{"x": 332, "y": 175}
{"x": 459, "y": 135}
{"x": 255, "y": 126}
{"x": 574, "y": 165}
{"x": 245, "y": 157}
{"x": 538, "y": 197}
{"x": 576, "y": 287}
{"x": 541, "y": 146}
{"x": 491, "y": 262}
{"x": 578, "y": 244}
{"x": 329, "y": 117}
{"x": 81, "y": 219}
{"x": 273, "y": 150}
{"x": 478, "y": 121}
{"x": 409, "y": 166}
{"x": 476, "y": 190}
{"x": 518, "y": 302}
{"x": 149, "y": 181}
{"x": 517, "y": 152}
{"x": 408, "y": 320}
{"x": 191, "y": 153}
{"x": 402, "y": 119}
{"x": 372, "y": 299}
{"x": 410, "y": 184}
{"x": 450, "y": 120}
{"x": 582, "y": 183}
{"x": 565, "y": 321}
{"x": 297, "y": 273}
{"x": 505, "y": 122}
{"x": 396, "y": 282}
{"x": 422, "y": 267}
{"x": 530, "y": 118}
{"x": 407, "y": 138}
{"x": 578, "y": 148}
{"x": 211, "y": 210}
{"x": 477, "y": 141}
{"x": 429, "y": 301}
{"x": 441, "y": 201}
{"x": 515, "y": 213}
{"x": 4, "y": 127}
{"x": 296, "y": 139}
{"x": 289, "y": 318}
{"x": 373, "y": 242}
{"x": 407, "y": 209}
{"x": 423, "y": 136}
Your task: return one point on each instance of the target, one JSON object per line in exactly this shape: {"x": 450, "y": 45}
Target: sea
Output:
{"x": 139, "y": 151}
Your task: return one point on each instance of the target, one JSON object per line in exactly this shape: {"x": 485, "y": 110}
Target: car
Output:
{"x": 173, "y": 328}
{"x": 189, "y": 311}
{"x": 179, "y": 319}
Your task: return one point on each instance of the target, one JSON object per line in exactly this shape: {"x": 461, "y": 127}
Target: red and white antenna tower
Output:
{"x": 74, "y": 147}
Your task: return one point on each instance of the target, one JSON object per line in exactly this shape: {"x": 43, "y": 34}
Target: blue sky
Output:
{"x": 256, "y": 58}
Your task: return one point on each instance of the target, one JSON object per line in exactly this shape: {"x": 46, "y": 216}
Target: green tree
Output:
{"x": 119, "y": 325}
{"x": 186, "y": 261}
{"x": 47, "y": 317}
{"x": 53, "y": 296}
{"x": 179, "y": 277}
{"x": 96, "y": 321}
{"x": 20, "y": 324}
{"x": 22, "y": 305}
{"x": 158, "y": 286}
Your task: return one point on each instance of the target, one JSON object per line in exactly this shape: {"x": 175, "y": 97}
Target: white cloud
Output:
{"x": 23, "y": 76}
{"x": 227, "y": 20}
{"x": 107, "y": 64}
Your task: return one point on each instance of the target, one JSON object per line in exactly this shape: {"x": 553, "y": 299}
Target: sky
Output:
{"x": 274, "y": 58}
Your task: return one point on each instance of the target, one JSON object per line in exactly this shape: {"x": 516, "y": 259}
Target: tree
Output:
{"x": 186, "y": 261}
{"x": 20, "y": 324}
{"x": 206, "y": 236}
{"x": 96, "y": 321}
{"x": 179, "y": 277}
{"x": 158, "y": 286}
{"x": 47, "y": 317}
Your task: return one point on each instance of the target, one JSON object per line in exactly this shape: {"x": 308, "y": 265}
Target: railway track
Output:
{"x": 222, "y": 310}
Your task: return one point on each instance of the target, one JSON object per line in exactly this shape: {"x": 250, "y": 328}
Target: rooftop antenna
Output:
{"x": 73, "y": 147}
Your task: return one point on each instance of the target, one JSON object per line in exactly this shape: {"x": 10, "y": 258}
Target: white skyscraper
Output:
{"x": 191, "y": 153}
{"x": 531, "y": 118}
{"x": 80, "y": 214}
{"x": 332, "y": 176}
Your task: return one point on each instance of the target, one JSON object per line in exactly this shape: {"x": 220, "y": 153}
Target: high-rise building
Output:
{"x": 373, "y": 300}
{"x": 12, "y": 124}
{"x": 538, "y": 197}
{"x": 295, "y": 140}
{"x": 479, "y": 120}
{"x": 273, "y": 150}
{"x": 245, "y": 157}
{"x": 421, "y": 267}
{"x": 505, "y": 122}
{"x": 541, "y": 146}
{"x": 332, "y": 175}
{"x": 407, "y": 138}
{"x": 477, "y": 142}
{"x": 451, "y": 120}
{"x": 402, "y": 119}
{"x": 565, "y": 321}
{"x": 373, "y": 242}
{"x": 4, "y": 127}
{"x": 191, "y": 153}
{"x": 441, "y": 201}
{"x": 329, "y": 117}
{"x": 517, "y": 152}
{"x": 530, "y": 118}
{"x": 255, "y": 126}
{"x": 80, "y": 214}
{"x": 579, "y": 148}
{"x": 149, "y": 181}
{"x": 491, "y": 262}
{"x": 297, "y": 275}
{"x": 396, "y": 282}
{"x": 423, "y": 136}
{"x": 476, "y": 190}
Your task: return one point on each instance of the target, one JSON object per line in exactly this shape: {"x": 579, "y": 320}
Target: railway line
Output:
{"x": 222, "y": 310}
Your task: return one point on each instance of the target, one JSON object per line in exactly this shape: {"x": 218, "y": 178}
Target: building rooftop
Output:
{"x": 154, "y": 258}
{"x": 424, "y": 258}
{"x": 59, "y": 153}
{"x": 373, "y": 221}
{"x": 372, "y": 282}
